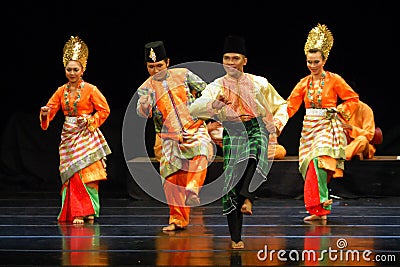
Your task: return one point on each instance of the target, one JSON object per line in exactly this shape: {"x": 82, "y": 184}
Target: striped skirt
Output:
{"x": 80, "y": 147}
{"x": 322, "y": 135}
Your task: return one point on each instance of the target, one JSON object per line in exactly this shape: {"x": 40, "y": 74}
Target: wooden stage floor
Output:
{"x": 359, "y": 232}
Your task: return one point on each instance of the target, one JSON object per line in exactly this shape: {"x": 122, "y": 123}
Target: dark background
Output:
{"x": 33, "y": 35}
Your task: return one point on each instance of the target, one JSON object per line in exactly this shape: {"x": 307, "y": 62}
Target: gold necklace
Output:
{"x": 74, "y": 112}
{"x": 319, "y": 91}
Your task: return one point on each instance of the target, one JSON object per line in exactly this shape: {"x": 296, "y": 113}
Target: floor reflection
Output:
{"x": 322, "y": 249}
{"x": 258, "y": 249}
{"x": 198, "y": 246}
{"x": 81, "y": 245}
{"x": 316, "y": 240}
{"x": 129, "y": 234}
{"x": 188, "y": 249}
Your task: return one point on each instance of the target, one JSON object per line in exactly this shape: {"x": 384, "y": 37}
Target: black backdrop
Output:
{"x": 33, "y": 35}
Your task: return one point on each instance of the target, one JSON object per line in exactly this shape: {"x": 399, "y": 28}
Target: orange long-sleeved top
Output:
{"x": 92, "y": 102}
{"x": 335, "y": 86}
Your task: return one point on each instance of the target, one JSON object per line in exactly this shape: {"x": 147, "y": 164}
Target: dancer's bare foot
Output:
{"x": 317, "y": 222}
{"x": 314, "y": 218}
{"x": 171, "y": 227}
{"x": 327, "y": 203}
{"x": 89, "y": 218}
{"x": 78, "y": 220}
{"x": 192, "y": 200}
{"x": 247, "y": 207}
{"x": 238, "y": 245}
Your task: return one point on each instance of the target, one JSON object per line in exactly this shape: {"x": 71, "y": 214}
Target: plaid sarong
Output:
{"x": 79, "y": 147}
{"x": 241, "y": 141}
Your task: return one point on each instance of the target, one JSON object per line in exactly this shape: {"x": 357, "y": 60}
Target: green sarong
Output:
{"x": 241, "y": 141}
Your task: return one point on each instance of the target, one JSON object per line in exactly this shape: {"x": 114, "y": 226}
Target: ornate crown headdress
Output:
{"x": 75, "y": 49}
{"x": 319, "y": 37}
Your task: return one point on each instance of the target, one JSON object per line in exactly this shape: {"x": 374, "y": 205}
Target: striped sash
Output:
{"x": 176, "y": 153}
{"x": 322, "y": 135}
{"x": 79, "y": 147}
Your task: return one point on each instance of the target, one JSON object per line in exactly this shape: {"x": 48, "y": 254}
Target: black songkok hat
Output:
{"x": 235, "y": 44}
{"x": 154, "y": 51}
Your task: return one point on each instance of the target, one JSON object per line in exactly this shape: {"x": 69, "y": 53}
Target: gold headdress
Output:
{"x": 75, "y": 49}
{"x": 319, "y": 37}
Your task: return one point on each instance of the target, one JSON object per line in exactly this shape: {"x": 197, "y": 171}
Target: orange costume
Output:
{"x": 322, "y": 142}
{"x": 362, "y": 132}
{"x": 185, "y": 147}
{"x": 82, "y": 149}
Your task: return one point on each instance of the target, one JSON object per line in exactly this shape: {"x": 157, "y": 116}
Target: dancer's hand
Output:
{"x": 220, "y": 102}
{"x": 44, "y": 110}
{"x": 145, "y": 101}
